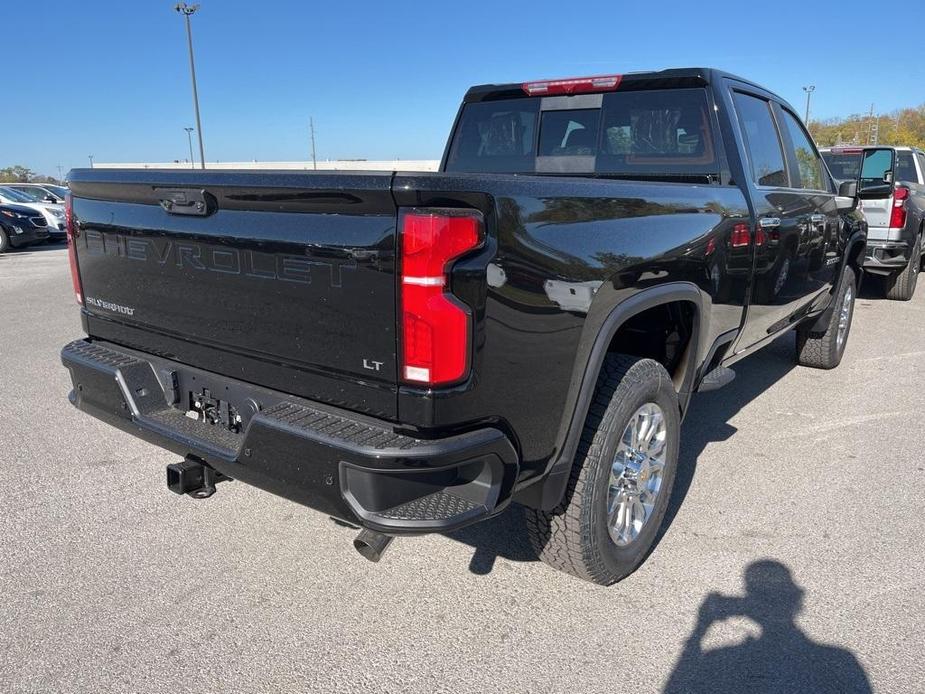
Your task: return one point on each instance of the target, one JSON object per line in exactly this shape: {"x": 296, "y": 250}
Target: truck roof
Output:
{"x": 654, "y": 79}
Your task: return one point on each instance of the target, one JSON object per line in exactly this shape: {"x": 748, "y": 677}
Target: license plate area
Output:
{"x": 207, "y": 408}
{"x": 211, "y": 400}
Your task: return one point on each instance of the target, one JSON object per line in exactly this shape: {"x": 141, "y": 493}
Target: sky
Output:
{"x": 383, "y": 80}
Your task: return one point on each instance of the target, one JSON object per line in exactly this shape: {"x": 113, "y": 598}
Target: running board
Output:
{"x": 716, "y": 379}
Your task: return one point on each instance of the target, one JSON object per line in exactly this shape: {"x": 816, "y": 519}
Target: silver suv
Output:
{"x": 893, "y": 202}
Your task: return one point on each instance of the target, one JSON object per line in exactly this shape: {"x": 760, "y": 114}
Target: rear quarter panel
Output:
{"x": 561, "y": 254}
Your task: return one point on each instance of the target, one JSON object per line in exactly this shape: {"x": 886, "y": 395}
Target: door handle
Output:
{"x": 769, "y": 222}
{"x": 817, "y": 218}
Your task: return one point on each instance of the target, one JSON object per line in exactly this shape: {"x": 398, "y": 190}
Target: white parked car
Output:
{"x": 47, "y": 192}
{"x": 52, "y": 212}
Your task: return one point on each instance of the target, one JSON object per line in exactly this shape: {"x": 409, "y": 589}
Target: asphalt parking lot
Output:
{"x": 109, "y": 582}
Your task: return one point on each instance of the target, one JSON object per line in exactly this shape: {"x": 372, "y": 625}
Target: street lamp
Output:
{"x": 91, "y": 160}
{"x": 189, "y": 137}
{"x": 809, "y": 92}
{"x": 186, "y": 11}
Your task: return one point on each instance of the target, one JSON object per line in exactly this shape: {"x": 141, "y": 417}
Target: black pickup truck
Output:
{"x": 412, "y": 352}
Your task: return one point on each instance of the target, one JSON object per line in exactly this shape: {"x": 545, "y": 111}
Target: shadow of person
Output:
{"x": 781, "y": 659}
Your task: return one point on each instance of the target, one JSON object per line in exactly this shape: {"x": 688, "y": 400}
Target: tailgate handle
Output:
{"x": 189, "y": 201}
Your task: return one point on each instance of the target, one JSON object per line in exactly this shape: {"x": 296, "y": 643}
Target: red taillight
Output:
{"x": 435, "y": 326}
{"x": 741, "y": 236}
{"x": 71, "y": 246}
{"x": 575, "y": 85}
{"x": 898, "y": 214}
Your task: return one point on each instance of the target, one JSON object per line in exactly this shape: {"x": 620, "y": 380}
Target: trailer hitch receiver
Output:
{"x": 193, "y": 477}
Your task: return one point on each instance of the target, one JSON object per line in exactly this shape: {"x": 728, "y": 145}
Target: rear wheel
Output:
{"x": 824, "y": 350}
{"x": 901, "y": 287}
{"x": 621, "y": 479}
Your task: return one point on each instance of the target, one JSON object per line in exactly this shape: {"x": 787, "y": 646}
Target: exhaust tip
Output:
{"x": 372, "y": 544}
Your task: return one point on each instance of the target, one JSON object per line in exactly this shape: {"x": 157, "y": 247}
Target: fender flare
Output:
{"x": 547, "y": 491}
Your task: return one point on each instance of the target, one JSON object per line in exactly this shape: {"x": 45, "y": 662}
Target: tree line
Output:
{"x": 22, "y": 174}
{"x": 904, "y": 127}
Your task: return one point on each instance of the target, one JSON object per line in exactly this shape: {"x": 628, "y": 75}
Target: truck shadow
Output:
{"x": 31, "y": 250}
{"x": 707, "y": 422}
{"x": 872, "y": 288}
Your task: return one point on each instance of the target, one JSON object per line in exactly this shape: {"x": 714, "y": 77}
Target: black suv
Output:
{"x": 21, "y": 226}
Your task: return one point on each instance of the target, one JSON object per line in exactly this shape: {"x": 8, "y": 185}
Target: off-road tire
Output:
{"x": 820, "y": 350}
{"x": 901, "y": 286}
{"x": 574, "y": 537}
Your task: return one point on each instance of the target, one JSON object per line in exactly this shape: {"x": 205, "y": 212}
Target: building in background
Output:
{"x": 333, "y": 165}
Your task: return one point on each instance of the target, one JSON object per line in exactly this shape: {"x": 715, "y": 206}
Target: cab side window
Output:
{"x": 809, "y": 163}
{"x": 905, "y": 168}
{"x": 765, "y": 155}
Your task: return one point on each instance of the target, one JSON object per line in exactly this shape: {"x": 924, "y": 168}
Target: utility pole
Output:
{"x": 809, "y": 92}
{"x": 189, "y": 138}
{"x": 870, "y": 124}
{"x": 91, "y": 160}
{"x": 311, "y": 127}
{"x": 60, "y": 172}
{"x": 187, "y": 11}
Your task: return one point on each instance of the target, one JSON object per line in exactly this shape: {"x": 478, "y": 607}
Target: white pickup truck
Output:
{"x": 896, "y": 221}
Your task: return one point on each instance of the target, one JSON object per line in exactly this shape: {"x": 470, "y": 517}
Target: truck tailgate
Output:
{"x": 282, "y": 278}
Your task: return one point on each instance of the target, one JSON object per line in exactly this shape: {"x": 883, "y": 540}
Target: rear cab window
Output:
{"x": 905, "y": 167}
{"x": 844, "y": 164}
{"x": 496, "y": 137}
{"x": 651, "y": 133}
{"x": 659, "y": 131}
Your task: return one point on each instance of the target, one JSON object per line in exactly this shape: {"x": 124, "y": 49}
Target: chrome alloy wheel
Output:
{"x": 636, "y": 474}
{"x": 844, "y": 316}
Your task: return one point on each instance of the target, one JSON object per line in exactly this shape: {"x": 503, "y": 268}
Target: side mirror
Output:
{"x": 876, "y": 179}
{"x": 848, "y": 189}
{"x": 51, "y": 199}
{"x": 847, "y": 198}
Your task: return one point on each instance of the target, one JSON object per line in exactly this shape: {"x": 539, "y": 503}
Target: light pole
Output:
{"x": 189, "y": 137}
{"x": 186, "y": 11}
{"x": 809, "y": 92}
{"x": 311, "y": 125}
{"x": 91, "y": 160}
